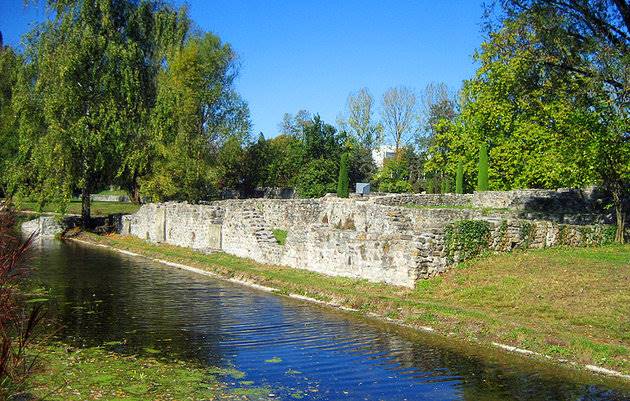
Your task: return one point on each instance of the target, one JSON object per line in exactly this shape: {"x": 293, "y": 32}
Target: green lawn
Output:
{"x": 74, "y": 207}
{"x": 570, "y": 303}
{"x": 95, "y": 373}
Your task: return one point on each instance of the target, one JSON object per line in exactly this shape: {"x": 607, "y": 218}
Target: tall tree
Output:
{"x": 89, "y": 72}
{"x": 437, "y": 103}
{"x": 359, "y": 119}
{"x": 9, "y": 68}
{"x": 398, "y": 111}
{"x": 343, "y": 181}
{"x": 588, "y": 43}
{"x": 197, "y": 113}
{"x": 294, "y": 124}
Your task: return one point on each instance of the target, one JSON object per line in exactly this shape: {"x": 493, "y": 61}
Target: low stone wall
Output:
{"x": 552, "y": 203}
{"x": 44, "y": 227}
{"x": 430, "y": 200}
{"x": 110, "y": 198}
{"x": 346, "y": 237}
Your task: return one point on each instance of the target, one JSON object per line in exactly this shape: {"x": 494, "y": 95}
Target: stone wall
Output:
{"x": 363, "y": 238}
{"x": 431, "y": 200}
{"x": 542, "y": 201}
{"x": 110, "y": 198}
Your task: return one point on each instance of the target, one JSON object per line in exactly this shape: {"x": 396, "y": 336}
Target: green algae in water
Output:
{"x": 275, "y": 359}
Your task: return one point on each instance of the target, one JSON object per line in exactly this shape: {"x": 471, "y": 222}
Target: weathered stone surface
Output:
{"x": 110, "y": 198}
{"x": 43, "y": 227}
{"x": 357, "y": 237}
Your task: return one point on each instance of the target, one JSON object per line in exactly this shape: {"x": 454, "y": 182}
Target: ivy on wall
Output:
{"x": 465, "y": 239}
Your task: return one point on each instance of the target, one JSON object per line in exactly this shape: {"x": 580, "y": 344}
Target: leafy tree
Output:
{"x": 394, "y": 176}
{"x": 317, "y": 178}
{"x": 286, "y": 156}
{"x": 294, "y": 125}
{"x": 359, "y": 120}
{"x": 88, "y": 78}
{"x": 437, "y": 105}
{"x": 197, "y": 113}
{"x": 343, "y": 182}
{"x": 361, "y": 163}
{"x": 585, "y": 44}
{"x": 482, "y": 178}
{"x": 321, "y": 140}
{"x": 398, "y": 113}
{"x": 9, "y": 67}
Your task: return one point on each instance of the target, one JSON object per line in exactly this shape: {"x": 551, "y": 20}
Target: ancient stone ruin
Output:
{"x": 396, "y": 239}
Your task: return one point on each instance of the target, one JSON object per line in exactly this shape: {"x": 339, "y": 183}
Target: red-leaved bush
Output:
{"x": 17, "y": 322}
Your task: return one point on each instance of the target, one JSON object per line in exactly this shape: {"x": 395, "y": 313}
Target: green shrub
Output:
{"x": 394, "y": 176}
{"x": 527, "y": 234}
{"x": 343, "y": 182}
{"x": 482, "y": 178}
{"x": 280, "y": 235}
{"x": 465, "y": 239}
{"x": 446, "y": 185}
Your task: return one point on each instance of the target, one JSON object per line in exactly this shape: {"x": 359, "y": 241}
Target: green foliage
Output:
{"x": 316, "y": 179}
{"x": 123, "y": 93}
{"x": 343, "y": 182}
{"x": 196, "y": 112}
{"x": 446, "y": 185}
{"x": 465, "y": 239}
{"x": 549, "y": 98}
{"x": 459, "y": 179}
{"x": 482, "y": 178}
{"x": 280, "y": 235}
{"x": 9, "y": 69}
{"x": 360, "y": 162}
{"x": 89, "y": 78}
{"x": 608, "y": 235}
{"x": 527, "y": 234}
{"x": 394, "y": 176}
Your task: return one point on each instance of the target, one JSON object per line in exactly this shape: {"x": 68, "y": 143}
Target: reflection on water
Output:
{"x": 299, "y": 349}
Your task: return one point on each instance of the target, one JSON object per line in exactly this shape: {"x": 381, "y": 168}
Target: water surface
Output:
{"x": 297, "y": 349}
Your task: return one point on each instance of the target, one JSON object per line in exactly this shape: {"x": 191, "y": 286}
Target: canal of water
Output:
{"x": 297, "y": 349}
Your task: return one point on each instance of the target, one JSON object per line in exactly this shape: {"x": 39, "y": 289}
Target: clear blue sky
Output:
{"x": 308, "y": 54}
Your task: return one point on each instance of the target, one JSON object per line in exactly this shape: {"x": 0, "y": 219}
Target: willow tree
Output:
{"x": 90, "y": 73}
{"x": 197, "y": 111}
{"x": 9, "y": 68}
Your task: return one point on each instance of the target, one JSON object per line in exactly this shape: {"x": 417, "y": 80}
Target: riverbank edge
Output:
{"x": 599, "y": 370}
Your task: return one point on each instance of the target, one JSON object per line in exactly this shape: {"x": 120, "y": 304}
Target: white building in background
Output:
{"x": 382, "y": 153}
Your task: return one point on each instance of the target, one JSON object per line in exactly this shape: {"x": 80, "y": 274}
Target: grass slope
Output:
{"x": 570, "y": 303}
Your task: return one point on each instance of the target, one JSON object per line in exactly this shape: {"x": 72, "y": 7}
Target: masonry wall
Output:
{"x": 374, "y": 238}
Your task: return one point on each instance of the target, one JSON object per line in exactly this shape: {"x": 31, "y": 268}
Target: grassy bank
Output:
{"x": 94, "y": 373}
{"x": 569, "y": 303}
{"x": 74, "y": 207}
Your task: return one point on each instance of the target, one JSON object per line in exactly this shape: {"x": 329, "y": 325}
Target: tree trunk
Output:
{"x": 135, "y": 189}
{"x": 85, "y": 207}
{"x": 135, "y": 195}
{"x": 620, "y": 216}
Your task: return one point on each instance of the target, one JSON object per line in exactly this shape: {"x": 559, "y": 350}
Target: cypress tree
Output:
{"x": 459, "y": 179}
{"x": 482, "y": 178}
{"x": 343, "y": 182}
